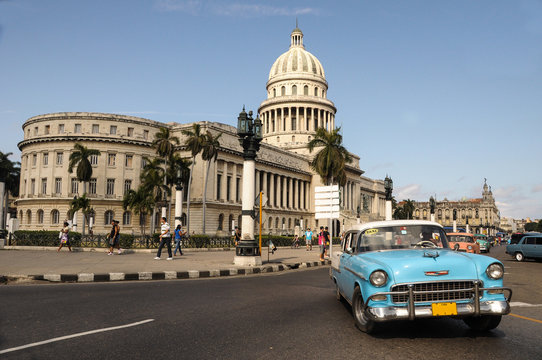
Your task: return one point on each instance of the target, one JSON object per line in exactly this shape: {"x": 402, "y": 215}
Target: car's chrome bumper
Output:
{"x": 412, "y": 311}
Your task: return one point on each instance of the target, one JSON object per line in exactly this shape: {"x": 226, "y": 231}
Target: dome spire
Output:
{"x": 297, "y": 37}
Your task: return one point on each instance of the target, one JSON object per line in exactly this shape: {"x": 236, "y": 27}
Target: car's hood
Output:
{"x": 414, "y": 265}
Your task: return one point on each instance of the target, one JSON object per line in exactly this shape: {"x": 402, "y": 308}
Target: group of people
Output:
{"x": 323, "y": 241}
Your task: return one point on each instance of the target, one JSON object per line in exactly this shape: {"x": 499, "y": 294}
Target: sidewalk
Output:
{"x": 85, "y": 265}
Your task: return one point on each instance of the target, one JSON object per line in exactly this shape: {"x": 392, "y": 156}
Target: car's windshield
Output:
{"x": 460, "y": 238}
{"x": 403, "y": 237}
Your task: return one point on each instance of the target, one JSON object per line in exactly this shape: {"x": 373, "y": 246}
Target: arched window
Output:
{"x": 440, "y": 213}
{"x": 477, "y": 213}
{"x": 289, "y": 224}
{"x": 283, "y": 223}
{"x": 274, "y": 92}
{"x": 142, "y": 219}
{"x": 29, "y": 216}
{"x": 126, "y": 218}
{"x": 283, "y": 90}
{"x": 40, "y": 216}
{"x": 277, "y": 223}
{"x": 21, "y": 216}
{"x": 230, "y": 223}
{"x": 417, "y": 214}
{"x": 220, "y": 221}
{"x": 270, "y": 223}
{"x": 108, "y": 217}
{"x": 306, "y": 90}
{"x": 294, "y": 90}
{"x": 315, "y": 91}
{"x": 55, "y": 216}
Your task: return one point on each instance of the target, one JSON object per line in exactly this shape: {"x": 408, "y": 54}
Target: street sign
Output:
{"x": 327, "y": 208}
{"x": 257, "y": 201}
{"x": 320, "y": 189}
{"x": 326, "y": 202}
{"x": 334, "y": 215}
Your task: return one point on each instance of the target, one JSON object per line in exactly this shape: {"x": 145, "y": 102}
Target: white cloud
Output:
{"x": 410, "y": 191}
{"x": 196, "y": 7}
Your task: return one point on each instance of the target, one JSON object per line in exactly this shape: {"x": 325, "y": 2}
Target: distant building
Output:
{"x": 482, "y": 214}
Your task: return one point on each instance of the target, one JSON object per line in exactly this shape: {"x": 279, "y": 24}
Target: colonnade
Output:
{"x": 297, "y": 118}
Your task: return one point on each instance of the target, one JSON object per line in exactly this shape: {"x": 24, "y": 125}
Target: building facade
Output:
{"x": 481, "y": 214}
{"x": 295, "y": 107}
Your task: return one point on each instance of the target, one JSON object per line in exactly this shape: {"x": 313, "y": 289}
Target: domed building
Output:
{"x": 295, "y": 107}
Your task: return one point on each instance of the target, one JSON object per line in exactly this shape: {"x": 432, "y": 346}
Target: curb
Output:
{"x": 162, "y": 275}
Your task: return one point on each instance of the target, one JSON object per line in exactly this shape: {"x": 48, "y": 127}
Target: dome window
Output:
{"x": 283, "y": 91}
{"x": 305, "y": 90}
{"x": 315, "y": 91}
{"x": 294, "y": 90}
{"x": 274, "y": 92}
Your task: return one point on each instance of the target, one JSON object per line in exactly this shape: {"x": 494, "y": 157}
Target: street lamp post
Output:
{"x": 455, "y": 220}
{"x": 388, "y": 186}
{"x": 432, "y": 204}
{"x": 467, "y": 223}
{"x": 178, "y": 198}
{"x": 249, "y": 131}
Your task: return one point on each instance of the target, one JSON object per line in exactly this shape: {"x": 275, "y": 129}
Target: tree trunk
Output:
{"x": 2, "y": 196}
{"x": 166, "y": 204}
{"x": 84, "y": 215}
{"x": 188, "y": 196}
{"x": 205, "y": 193}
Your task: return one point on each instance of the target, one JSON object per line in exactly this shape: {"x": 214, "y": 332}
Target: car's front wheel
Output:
{"x": 519, "y": 256}
{"x": 362, "y": 321}
{"x": 483, "y": 323}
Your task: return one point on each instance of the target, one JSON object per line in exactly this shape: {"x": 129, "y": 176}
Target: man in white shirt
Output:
{"x": 165, "y": 239}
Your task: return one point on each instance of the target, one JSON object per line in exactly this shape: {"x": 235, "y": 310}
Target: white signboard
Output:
{"x": 326, "y": 202}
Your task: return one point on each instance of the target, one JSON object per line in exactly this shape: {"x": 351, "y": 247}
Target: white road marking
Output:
{"x": 522, "y": 304}
{"x": 74, "y": 335}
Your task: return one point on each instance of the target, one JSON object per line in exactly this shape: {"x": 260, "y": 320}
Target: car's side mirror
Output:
{"x": 349, "y": 250}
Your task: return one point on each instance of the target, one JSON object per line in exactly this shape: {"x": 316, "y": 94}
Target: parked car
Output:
{"x": 483, "y": 241}
{"x": 463, "y": 242}
{"x": 528, "y": 247}
{"x": 404, "y": 269}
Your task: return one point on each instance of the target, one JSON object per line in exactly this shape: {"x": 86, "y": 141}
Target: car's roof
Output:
{"x": 378, "y": 224}
{"x": 463, "y": 234}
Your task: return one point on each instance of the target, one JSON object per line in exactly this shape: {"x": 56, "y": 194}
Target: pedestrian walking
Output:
{"x": 295, "y": 242}
{"x": 327, "y": 241}
{"x": 165, "y": 239}
{"x": 64, "y": 238}
{"x": 321, "y": 242}
{"x": 114, "y": 237}
{"x": 237, "y": 236}
{"x": 308, "y": 238}
{"x": 179, "y": 235}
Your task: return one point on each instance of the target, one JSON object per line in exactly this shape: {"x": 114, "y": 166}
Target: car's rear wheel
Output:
{"x": 362, "y": 321}
{"x": 483, "y": 323}
{"x": 519, "y": 256}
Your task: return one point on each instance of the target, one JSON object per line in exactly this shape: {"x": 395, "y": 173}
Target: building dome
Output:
{"x": 296, "y": 61}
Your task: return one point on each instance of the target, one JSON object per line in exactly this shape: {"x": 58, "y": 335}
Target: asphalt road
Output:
{"x": 292, "y": 315}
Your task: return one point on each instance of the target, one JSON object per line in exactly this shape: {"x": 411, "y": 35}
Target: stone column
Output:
{"x": 272, "y": 190}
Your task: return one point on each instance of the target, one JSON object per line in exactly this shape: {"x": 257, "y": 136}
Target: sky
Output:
{"x": 436, "y": 94}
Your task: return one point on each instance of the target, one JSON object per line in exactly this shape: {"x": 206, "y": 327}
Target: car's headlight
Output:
{"x": 495, "y": 271}
{"x": 469, "y": 247}
{"x": 378, "y": 278}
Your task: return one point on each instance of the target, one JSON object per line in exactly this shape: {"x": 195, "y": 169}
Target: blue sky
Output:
{"x": 437, "y": 94}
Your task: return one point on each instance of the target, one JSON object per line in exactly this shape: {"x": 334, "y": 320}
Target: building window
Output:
{"x": 305, "y": 90}
{"x": 130, "y": 131}
{"x": 58, "y": 185}
{"x": 47, "y": 129}
{"x": 40, "y": 216}
{"x": 74, "y": 186}
{"x": 55, "y": 216}
{"x": 59, "y": 158}
{"x": 315, "y": 91}
{"x": 45, "y": 159}
{"x": 128, "y": 161}
{"x": 61, "y": 128}
{"x": 113, "y": 130}
{"x": 294, "y": 90}
{"x": 92, "y": 186}
{"x": 44, "y": 186}
{"x": 228, "y": 190}
{"x": 283, "y": 91}
{"x": 145, "y": 134}
{"x": 218, "y": 186}
{"x": 294, "y": 124}
{"x": 108, "y": 216}
{"x": 28, "y": 217}
{"x": 111, "y": 159}
{"x": 126, "y": 218}
{"x": 220, "y": 222}
{"x": 274, "y": 92}
{"x": 110, "y": 188}
{"x": 36, "y": 130}
{"x": 237, "y": 189}
{"x": 93, "y": 159}
{"x": 127, "y": 186}
{"x": 33, "y": 187}
{"x": 77, "y": 128}
{"x": 95, "y": 128}
{"x": 34, "y": 159}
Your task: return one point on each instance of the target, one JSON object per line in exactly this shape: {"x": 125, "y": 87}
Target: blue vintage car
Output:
{"x": 404, "y": 269}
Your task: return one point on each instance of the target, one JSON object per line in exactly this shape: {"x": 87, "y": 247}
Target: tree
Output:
{"x": 164, "y": 144}
{"x": 81, "y": 203}
{"x": 531, "y": 226}
{"x": 10, "y": 173}
{"x": 210, "y": 153}
{"x": 330, "y": 161}
{"x": 408, "y": 208}
{"x": 140, "y": 202}
{"x": 194, "y": 143}
{"x": 152, "y": 181}
{"x": 80, "y": 158}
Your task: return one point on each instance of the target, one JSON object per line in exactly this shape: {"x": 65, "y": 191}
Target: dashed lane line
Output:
{"x": 74, "y": 335}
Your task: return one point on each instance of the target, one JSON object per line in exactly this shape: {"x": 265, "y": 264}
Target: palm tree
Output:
{"x": 178, "y": 163}
{"x": 80, "y": 157}
{"x": 81, "y": 203}
{"x": 331, "y": 159}
{"x": 408, "y": 208}
{"x": 164, "y": 144}
{"x": 210, "y": 153}
{"x": 140, "y": 202}
{"x": 10, "y": 173}
{"x": 152, "y": 181}
{"x": 194, "y": 144}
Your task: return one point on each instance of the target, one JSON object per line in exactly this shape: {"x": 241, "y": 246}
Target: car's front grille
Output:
{"x": 435, "y": 291}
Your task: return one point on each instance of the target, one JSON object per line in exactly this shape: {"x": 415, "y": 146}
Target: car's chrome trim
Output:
{"x": 355, "y": 273}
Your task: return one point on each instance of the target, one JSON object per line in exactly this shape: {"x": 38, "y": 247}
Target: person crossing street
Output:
{"x": 165, "y": 239}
